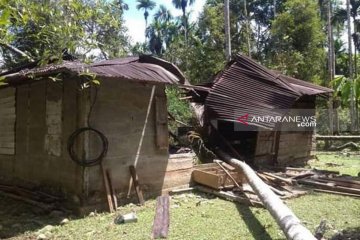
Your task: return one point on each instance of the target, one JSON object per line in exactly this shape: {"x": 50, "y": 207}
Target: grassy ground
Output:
{"x": 193, "y": 216}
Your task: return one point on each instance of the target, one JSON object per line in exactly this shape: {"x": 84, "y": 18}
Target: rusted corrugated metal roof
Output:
{"x": 143, "y": 68}
{"x": 246, "y": 87}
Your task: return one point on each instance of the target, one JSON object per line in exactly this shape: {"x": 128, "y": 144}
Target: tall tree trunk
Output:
{"x": 356, "y": 110}
{"x": 247, "y": 22}
{"x": 185, "y": 27}
{"x": 352, "y": 105}
{"x": 284, "y": 217}
{"x": 274, "y": 3}
{"x": 227, "y": 31}
{"x": 330, "y": 66}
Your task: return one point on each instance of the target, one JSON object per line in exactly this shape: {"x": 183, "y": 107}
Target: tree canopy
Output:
{"x": 45, "y": 29}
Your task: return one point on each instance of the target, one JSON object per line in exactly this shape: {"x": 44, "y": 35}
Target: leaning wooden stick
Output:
{"x": 136, "y": 185}
{"x": 107, "y": 189}
{"x": 227, "y": 173}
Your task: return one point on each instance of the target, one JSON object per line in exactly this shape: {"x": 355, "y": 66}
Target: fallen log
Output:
{"x": 324, "y": 137}
{"x": 284, "y": 217}
{"x": 346, "y": 145}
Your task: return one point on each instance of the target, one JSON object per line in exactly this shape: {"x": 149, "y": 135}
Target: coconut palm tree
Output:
{"x": 145, "y": 5}
{"x": 183, "y": 4}
{"x": 163, "y": 14}
{"x": 123, "y": 5}
{"x": 155, "y": 34}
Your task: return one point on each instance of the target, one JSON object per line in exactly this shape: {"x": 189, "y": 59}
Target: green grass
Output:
{"x": 192, "y": 216}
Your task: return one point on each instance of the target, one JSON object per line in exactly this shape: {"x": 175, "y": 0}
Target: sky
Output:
{"x": 135, "y": 22}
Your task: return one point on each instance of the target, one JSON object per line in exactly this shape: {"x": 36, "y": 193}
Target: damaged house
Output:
{"x": 63, "y": 126}
{"x": 242, "y": 108}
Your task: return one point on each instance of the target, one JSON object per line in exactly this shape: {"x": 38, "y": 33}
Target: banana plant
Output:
{"x": 342, "y": 89}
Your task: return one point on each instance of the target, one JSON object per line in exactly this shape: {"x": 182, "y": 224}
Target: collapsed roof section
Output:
{"x": 246, "y": 87}
{"x": 141, "y": 69}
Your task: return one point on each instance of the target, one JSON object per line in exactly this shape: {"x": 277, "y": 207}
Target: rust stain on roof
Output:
{"x": 142, "y": 69}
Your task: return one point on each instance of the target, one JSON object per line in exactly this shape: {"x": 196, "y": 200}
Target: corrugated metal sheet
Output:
{"x": 143, "y": 68}
{"x": 246, "y": 87}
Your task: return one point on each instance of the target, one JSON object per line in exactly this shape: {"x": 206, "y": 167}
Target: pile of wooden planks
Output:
{"x": 319, "y": 180}
{"x": 222, "y": 180}
{"x": 36, "y": 198}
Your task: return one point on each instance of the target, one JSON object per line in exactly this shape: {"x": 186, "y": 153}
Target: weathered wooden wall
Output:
{"x": 294, "y": 146}
{"x": 46, "y": 114}
{"x": 119, "y": 112}
{"x": 7, "y": 121}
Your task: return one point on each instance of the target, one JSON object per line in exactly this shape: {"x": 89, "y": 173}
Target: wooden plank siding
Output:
{"x": 7, "y": 121}
{"x": 53, "y": 118}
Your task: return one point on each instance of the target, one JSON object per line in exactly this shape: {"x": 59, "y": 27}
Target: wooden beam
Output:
{"x": 112, "y": 190}
{"x": 338, "y": 193}
{"x": 230, "y": 197}
{"x": 324, "y": 137}
{"x": 329, "y": 187}
{"x": 136, "y": 184}
{"x": 162, "y": 218}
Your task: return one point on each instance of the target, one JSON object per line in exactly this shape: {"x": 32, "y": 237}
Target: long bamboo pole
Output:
{"x": 284, "y": 217}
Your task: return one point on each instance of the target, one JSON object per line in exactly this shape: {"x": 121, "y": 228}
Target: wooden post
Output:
{"x": 107, "y": 189}
{"x": 162, "y": 218}
{"x": 112, "y": 189}
{"x": 284, "y": 217}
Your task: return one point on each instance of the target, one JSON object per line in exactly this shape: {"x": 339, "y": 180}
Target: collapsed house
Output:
{"x": 241, "y": 107}
{"x": 60, "y": 124}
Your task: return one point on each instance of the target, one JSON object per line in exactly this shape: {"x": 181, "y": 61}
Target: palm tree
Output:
{"x": 183, "y": 4}
{"x": 163, "y": 14}
{"x": 123, "y": 5}
{"x": 145, "y": 5}
{"x": 155, "y": 34}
